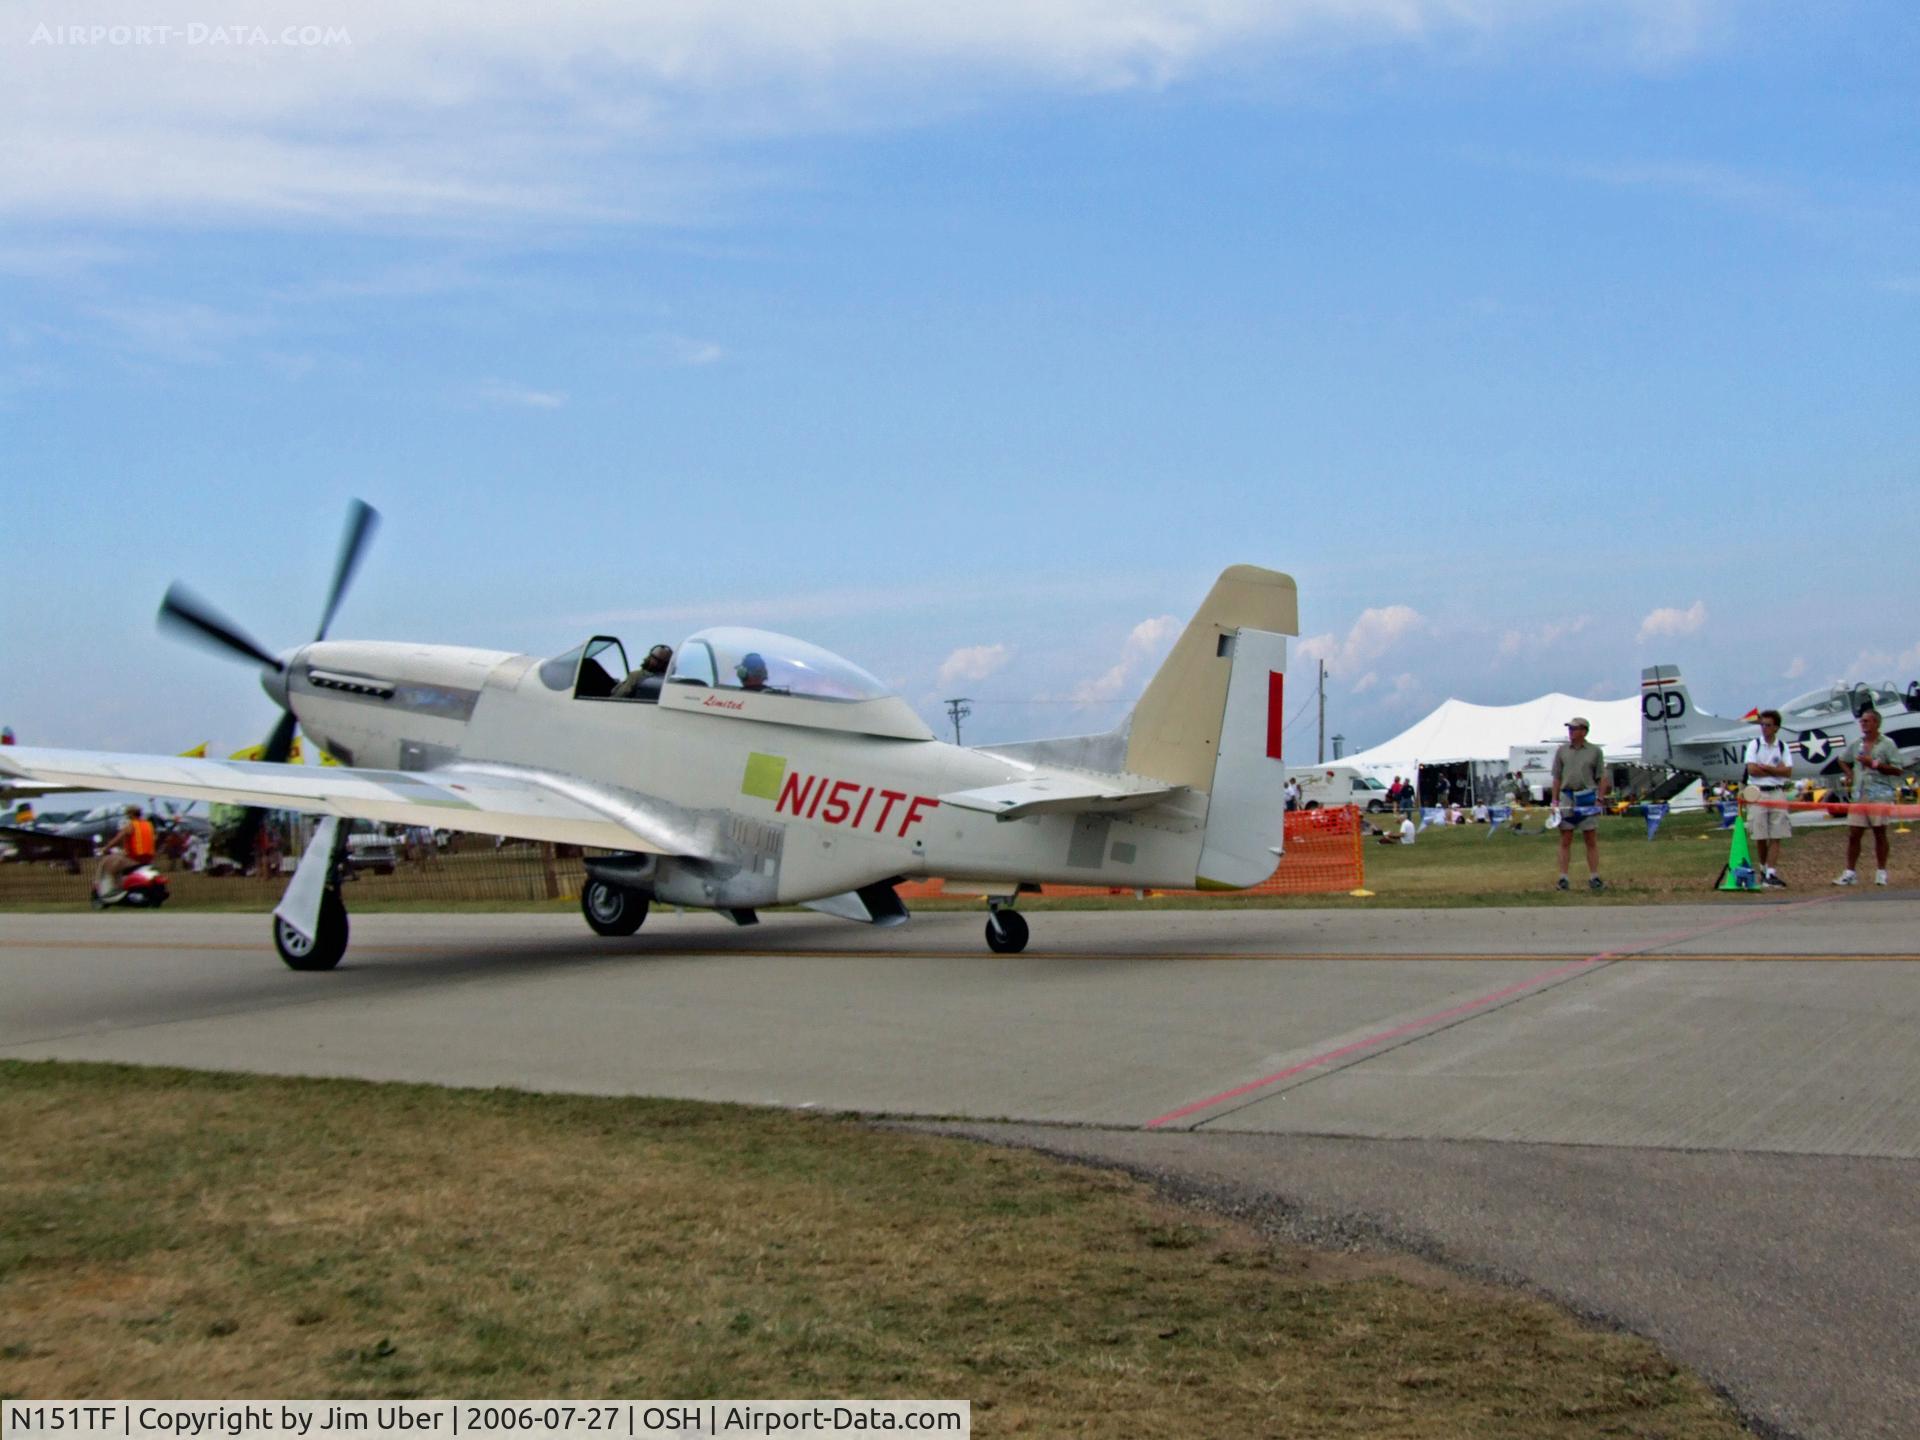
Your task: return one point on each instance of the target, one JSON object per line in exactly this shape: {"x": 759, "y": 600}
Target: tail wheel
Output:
{"x": 1006, "y": 932}
{"x": 329, "y": 941}
{"x": 612, "y": 909}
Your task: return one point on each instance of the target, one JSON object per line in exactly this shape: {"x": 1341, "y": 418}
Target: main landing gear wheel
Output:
{"x": 329, "y": 943}
{"x": 612, "y": 909}
{"x": 1006, "y": 932}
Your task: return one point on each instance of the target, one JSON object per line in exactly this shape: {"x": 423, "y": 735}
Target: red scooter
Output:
{"x": 142, "y": 887}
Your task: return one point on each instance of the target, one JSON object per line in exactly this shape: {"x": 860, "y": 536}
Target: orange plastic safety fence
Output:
{"x": 1326, "y": 854}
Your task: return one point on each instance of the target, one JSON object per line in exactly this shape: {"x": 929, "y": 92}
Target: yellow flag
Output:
{"x": 198, "y": 752}
{"x": 259, "y": 752}
{"x": 326, "y": 759}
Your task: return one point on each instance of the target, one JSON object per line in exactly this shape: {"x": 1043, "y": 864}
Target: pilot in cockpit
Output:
{"x": 644, "y": 683}
{"x": 752, "y": 671}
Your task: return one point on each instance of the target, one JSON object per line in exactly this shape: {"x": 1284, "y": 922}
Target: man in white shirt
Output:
{"x": 1769, "y": 767}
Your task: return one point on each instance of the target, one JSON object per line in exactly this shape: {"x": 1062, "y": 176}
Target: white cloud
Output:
{"x": 520, "y": 397}
{"x": 682, "y": 350}
{"x": 1376, "y": 632}
{"x": 1538, "y": 639}
{"x": 177, "y": 332}
{"x": 1877, "y": 665}
{"x": 973, "y": 662}
{"x": 1146, "y": 646}
{"x": 1796, "y": 669}
{"x": 1674, "y": 622}
{"x": 416, "y": 111}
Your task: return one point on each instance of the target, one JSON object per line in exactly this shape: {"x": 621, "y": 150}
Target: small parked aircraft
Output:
{"x": 758, "y": 770}
{"x": 1816, "y": 726}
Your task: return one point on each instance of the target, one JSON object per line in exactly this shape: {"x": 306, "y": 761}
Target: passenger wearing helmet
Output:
{"x": 752, "y": 671}
{"x": 644, "y": 683}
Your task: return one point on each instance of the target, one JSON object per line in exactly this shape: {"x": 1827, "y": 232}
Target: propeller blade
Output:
{"x": 280, "y": 743}
{"x": 186, "y": 611}
{"x": 362, "y": 521}
{"x": 253, "y": 820}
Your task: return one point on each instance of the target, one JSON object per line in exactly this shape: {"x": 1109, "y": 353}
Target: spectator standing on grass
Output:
{"x": 1579, "y": 789}
{"x": 1769, "y": 768}
{"x": 1872, "y": 764}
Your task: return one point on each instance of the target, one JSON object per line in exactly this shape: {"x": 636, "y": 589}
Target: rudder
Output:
{"x": 1210, "y": 719}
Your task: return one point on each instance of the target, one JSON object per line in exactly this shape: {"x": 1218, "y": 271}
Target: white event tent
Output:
{"x": 1459, "y": 730}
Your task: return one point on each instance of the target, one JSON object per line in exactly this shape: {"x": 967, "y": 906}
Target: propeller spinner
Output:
{"x": 187, "y": 612}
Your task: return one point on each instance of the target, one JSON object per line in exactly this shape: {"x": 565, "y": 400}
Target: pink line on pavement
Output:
{"x": 1467, "y": 1007}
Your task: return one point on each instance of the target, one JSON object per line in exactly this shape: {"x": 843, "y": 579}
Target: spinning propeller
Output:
{"x": 185, "y": 611}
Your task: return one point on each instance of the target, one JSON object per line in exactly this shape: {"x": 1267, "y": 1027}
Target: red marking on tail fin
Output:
{"x": 1276, "y": 710}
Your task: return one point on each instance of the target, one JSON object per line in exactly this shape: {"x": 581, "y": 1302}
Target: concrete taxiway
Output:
{"x": 1717, "y": 1106}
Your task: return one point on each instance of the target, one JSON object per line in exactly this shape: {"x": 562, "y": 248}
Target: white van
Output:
{"x": 1535, "y": 764}
{"x": 1325, "y": 786}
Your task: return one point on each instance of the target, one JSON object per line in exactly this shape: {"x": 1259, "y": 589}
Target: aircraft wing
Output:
{"x": 1061, "y": 794}
{"x": 12, "y": 790}
{"x": 39, "y": 844}
{"x": 1720, "y": 737}
{"x": 491, "y": 799}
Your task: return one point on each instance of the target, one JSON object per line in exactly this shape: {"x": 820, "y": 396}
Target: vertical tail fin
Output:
{"x": 1667, "y": 714}
{"x": 1210, "y": 719}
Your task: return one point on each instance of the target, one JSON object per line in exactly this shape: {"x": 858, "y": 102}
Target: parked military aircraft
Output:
{"x": 759, "y": 770}
{"x": 1675, "y": 732}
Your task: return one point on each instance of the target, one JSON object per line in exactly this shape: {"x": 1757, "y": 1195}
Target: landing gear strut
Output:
{"x": 1006, "y": 928}
{"x": 310, "y": 923}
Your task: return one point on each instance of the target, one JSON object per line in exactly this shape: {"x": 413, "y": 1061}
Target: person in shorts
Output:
{"x": 1579, "y": 791}
{"x": 1769, "y": 769}
{"x": 1873, "y": 764}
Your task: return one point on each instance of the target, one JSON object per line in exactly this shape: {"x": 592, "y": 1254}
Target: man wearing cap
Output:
{"x": 1579, "y": 790}
{"x": 1769, "y": 767}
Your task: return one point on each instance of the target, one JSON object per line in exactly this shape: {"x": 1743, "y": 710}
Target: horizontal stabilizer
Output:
{"x": 1060, "y": 794}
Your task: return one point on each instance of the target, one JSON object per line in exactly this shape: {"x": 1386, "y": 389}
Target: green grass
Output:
{"x": 173, "y": 1233}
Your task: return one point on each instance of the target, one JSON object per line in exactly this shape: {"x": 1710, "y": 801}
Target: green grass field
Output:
{"x": 165, "y": 1233}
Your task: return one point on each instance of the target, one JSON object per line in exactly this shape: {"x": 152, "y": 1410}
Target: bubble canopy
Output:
{"x": 723, "y": 658}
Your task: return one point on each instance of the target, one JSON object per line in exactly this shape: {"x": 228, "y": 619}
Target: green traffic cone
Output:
{"x": 1739, "y": 864}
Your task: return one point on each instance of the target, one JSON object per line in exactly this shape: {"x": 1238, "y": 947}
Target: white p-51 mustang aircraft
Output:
{"x": 759, "y": 770}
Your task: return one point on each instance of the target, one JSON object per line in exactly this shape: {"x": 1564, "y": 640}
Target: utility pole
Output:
{"x": 959, "y": 709}
{"x": 1323, "y": 715}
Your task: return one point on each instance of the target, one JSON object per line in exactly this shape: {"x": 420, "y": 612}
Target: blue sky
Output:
{"x": 1540, "y": 342}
